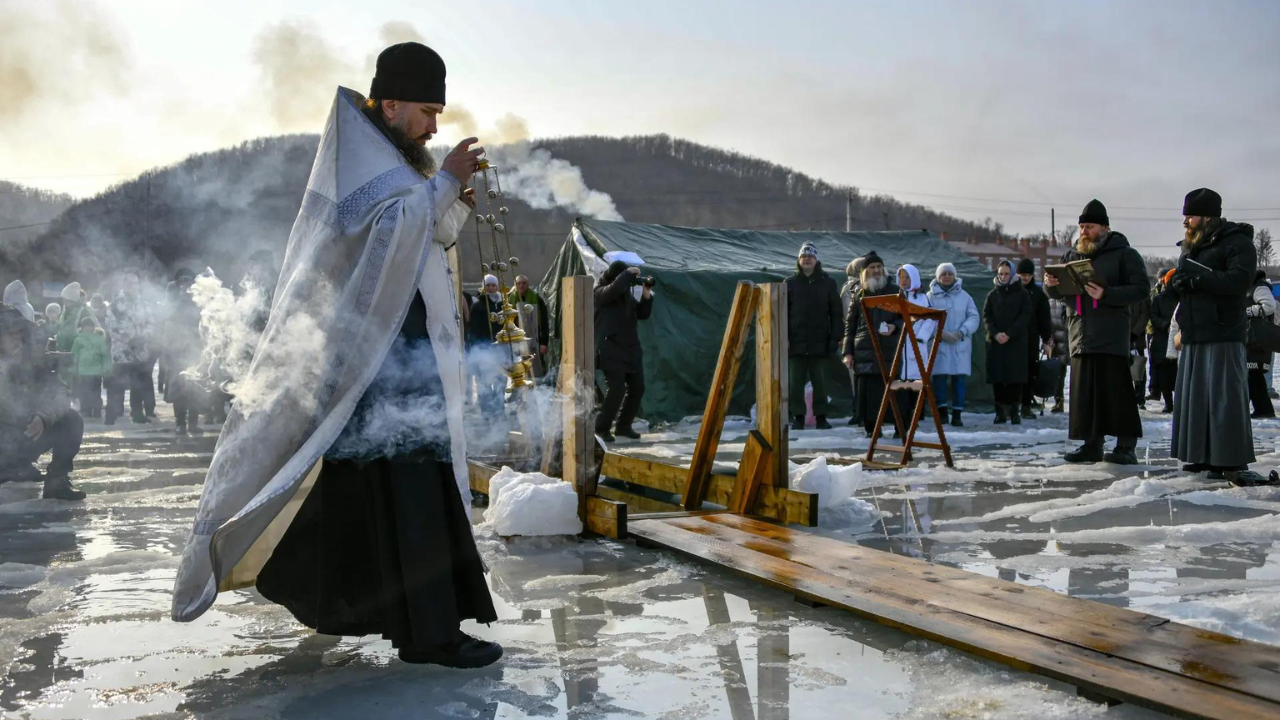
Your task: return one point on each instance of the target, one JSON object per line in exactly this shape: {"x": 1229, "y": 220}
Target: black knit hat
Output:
{"x": 183, "y": 272}
{"x": 616, "y": 268}
{"x": 871, "y": 258}
{"x": 411, "y": 72}
{"x": 1026, "y": 266}
{"x": 1203, "y": 202}
{"x": 1095, "y": 212}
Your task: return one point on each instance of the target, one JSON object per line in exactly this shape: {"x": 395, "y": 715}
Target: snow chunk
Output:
{"x": 531, "y": 504}
{"x": 834, "y": 485}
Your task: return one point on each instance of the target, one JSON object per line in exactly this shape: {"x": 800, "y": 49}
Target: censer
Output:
{"x": 519, "y": 366}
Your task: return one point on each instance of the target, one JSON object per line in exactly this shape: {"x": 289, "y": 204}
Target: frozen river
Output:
{"x": 608, "y": 630}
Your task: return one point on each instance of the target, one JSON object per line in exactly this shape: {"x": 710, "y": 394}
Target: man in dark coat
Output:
{"x": 1098, "y": 322}
{"x": 35, "y": 411}
{"x": 859, "y": 352}
{"x": 1010, "y": 319}
{"x": 618, "y": 352}
{"x": 1211, "y": 426}
{"x": 814, "y": 320}
{"x": 1164, "y": 369}
{"x": 1041, "y": 327}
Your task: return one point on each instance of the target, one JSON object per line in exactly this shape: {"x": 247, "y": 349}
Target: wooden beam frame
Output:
{"x": 735, "y": 340}
{"x": 774, "y": 503}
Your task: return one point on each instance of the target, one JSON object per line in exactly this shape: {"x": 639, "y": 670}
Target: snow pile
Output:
{"x": 834, "y": 486}
{"x": 531, "y": 504}
{"x": 1252, "y": 615}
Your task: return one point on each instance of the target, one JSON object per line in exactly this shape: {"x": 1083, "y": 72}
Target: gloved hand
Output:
{"x": 1183, "y": 282}
{"x": 948, "y": 336}
{"x": 1253, "y": 311}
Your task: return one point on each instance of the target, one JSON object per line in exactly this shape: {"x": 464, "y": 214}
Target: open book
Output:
{"x": 1073, "y": 276}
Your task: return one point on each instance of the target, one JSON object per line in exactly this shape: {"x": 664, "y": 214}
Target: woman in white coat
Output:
{"x": 955, "y": 352}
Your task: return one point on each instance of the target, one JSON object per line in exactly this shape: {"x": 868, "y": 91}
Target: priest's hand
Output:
{"x": 1050, "y": 280}
{"x": 463, "y": 160}
{"x": 1002, "y": 338}
{"x": 848, "y": 361}
{"x": 1095, "y": 290}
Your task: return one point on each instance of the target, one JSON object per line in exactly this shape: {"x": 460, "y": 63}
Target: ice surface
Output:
{"x": 531, "y": 504}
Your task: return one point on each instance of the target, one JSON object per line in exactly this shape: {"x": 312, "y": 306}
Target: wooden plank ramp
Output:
{"x": 1103, "y": 650}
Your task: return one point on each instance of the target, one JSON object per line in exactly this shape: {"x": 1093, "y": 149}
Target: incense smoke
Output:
{"x": 52, "y": 47}
{"x": 544, "y": 182}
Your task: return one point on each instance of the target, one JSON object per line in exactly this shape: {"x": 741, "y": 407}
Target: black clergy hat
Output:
{"x": 411, "y": 72}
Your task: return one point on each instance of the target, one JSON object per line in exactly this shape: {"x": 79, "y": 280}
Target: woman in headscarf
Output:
{"x": 1007, "y": 313}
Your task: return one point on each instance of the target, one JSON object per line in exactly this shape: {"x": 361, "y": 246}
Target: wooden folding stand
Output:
{"x": 910, "y": 312}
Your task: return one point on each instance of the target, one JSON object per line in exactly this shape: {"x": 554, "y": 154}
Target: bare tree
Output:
{"x": 1067, "y": 234}
{"x": 1266, "y": 251}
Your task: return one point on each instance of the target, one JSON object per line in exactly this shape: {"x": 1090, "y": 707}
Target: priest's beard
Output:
{"x": 1086, "y": 246}
{"x": 1194, "y": 236}
{"x": 416, "y": 155}
{"x": 873, "y": 284}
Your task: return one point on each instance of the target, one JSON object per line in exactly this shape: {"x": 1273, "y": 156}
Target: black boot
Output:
{"x": 1027, "y": 412}
{"x": 1059, "y": 405}
{"x": 1015, "y": 417}
{"x": 463, "y": 652}
{"x": 821, "y": 423}
{"x": 1168, "y": 404}
{"x": 1122, "y": 456}
{"x": 1000, "y": 416}
{"x": 797, "y": 423}
{"x": 627, "y": 432}
{"x": 58, "y": 487}
{"x": 1086, "y": 453}
{"x": 1249, "y": 478}
{"x": 955, "y": 419}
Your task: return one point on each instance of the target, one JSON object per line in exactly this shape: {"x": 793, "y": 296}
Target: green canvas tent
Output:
{"x": 697, "y": 271}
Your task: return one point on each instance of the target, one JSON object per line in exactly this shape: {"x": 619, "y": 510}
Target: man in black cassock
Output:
{"x": 382, "y": 544}
{"x": 1098, "y": 320}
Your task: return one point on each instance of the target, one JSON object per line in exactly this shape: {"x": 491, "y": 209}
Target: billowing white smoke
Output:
{"x": 231, "y": 327}
{"x": 544, "y": 182}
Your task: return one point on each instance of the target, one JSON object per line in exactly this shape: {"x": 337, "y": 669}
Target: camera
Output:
{"x": 647, "y": 281}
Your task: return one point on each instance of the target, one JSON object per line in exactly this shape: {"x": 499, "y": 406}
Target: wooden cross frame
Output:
{"x": 909, "y": 311}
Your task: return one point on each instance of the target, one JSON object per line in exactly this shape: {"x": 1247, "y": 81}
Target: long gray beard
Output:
{"x": 874, "y": 284}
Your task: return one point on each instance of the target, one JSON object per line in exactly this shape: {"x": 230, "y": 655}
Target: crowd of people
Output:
{"x": 57, "y": 365}
{"x": 1191, "y": 339}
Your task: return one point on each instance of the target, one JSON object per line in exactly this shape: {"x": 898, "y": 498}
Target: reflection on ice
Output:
{"x": 608, "y": 630}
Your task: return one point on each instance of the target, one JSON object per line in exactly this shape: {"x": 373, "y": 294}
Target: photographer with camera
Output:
{"x": 623, "y": 299}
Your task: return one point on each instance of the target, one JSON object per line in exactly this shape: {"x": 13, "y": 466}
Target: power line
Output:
{"x": 20, "y": 227}
{"x": 1045, "y": 203}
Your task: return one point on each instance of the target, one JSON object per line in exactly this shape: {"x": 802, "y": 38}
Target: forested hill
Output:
{"x": 214, "y": 209}
{"x": 25, "y": 213}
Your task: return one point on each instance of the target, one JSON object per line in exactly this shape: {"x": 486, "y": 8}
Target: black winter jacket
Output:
{"x": 814, "y": 313}
{"x": 1041, "y": 326}
{"x": 858, "y": 327}
{"x": 1223, "y": 266}
{"x": 1139, "y": 314}
{"x": 1102, "y": 326}
{"x": 617, "y": 324}
{"x": 1008, "y": 310}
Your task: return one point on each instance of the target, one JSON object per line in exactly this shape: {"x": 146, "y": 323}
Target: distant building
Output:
{"x": 990, "y": 252}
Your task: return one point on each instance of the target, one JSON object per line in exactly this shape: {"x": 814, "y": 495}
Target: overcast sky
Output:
{"x": 1000, "y": 109}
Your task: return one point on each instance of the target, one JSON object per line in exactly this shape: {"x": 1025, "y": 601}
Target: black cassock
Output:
{"x": 383, "y": 545}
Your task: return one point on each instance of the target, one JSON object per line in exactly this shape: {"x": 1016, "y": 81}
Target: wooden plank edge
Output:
{"x": 649, "y": 534}
{"x": 479, "y": 474}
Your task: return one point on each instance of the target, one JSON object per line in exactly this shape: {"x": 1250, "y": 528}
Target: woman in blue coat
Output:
{"x": 955, "y": 352}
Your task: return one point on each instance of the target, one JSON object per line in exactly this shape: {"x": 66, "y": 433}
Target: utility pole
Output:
{"x": 848, "y": 211}
{"x": 1053, "y": 225}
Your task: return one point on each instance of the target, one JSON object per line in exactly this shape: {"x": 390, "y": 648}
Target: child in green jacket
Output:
{"x": 92, "y": 363}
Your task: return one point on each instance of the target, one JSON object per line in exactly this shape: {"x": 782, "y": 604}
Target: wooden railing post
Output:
{"x": 576, "y": 386}
{"x": 772, "y": 387}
